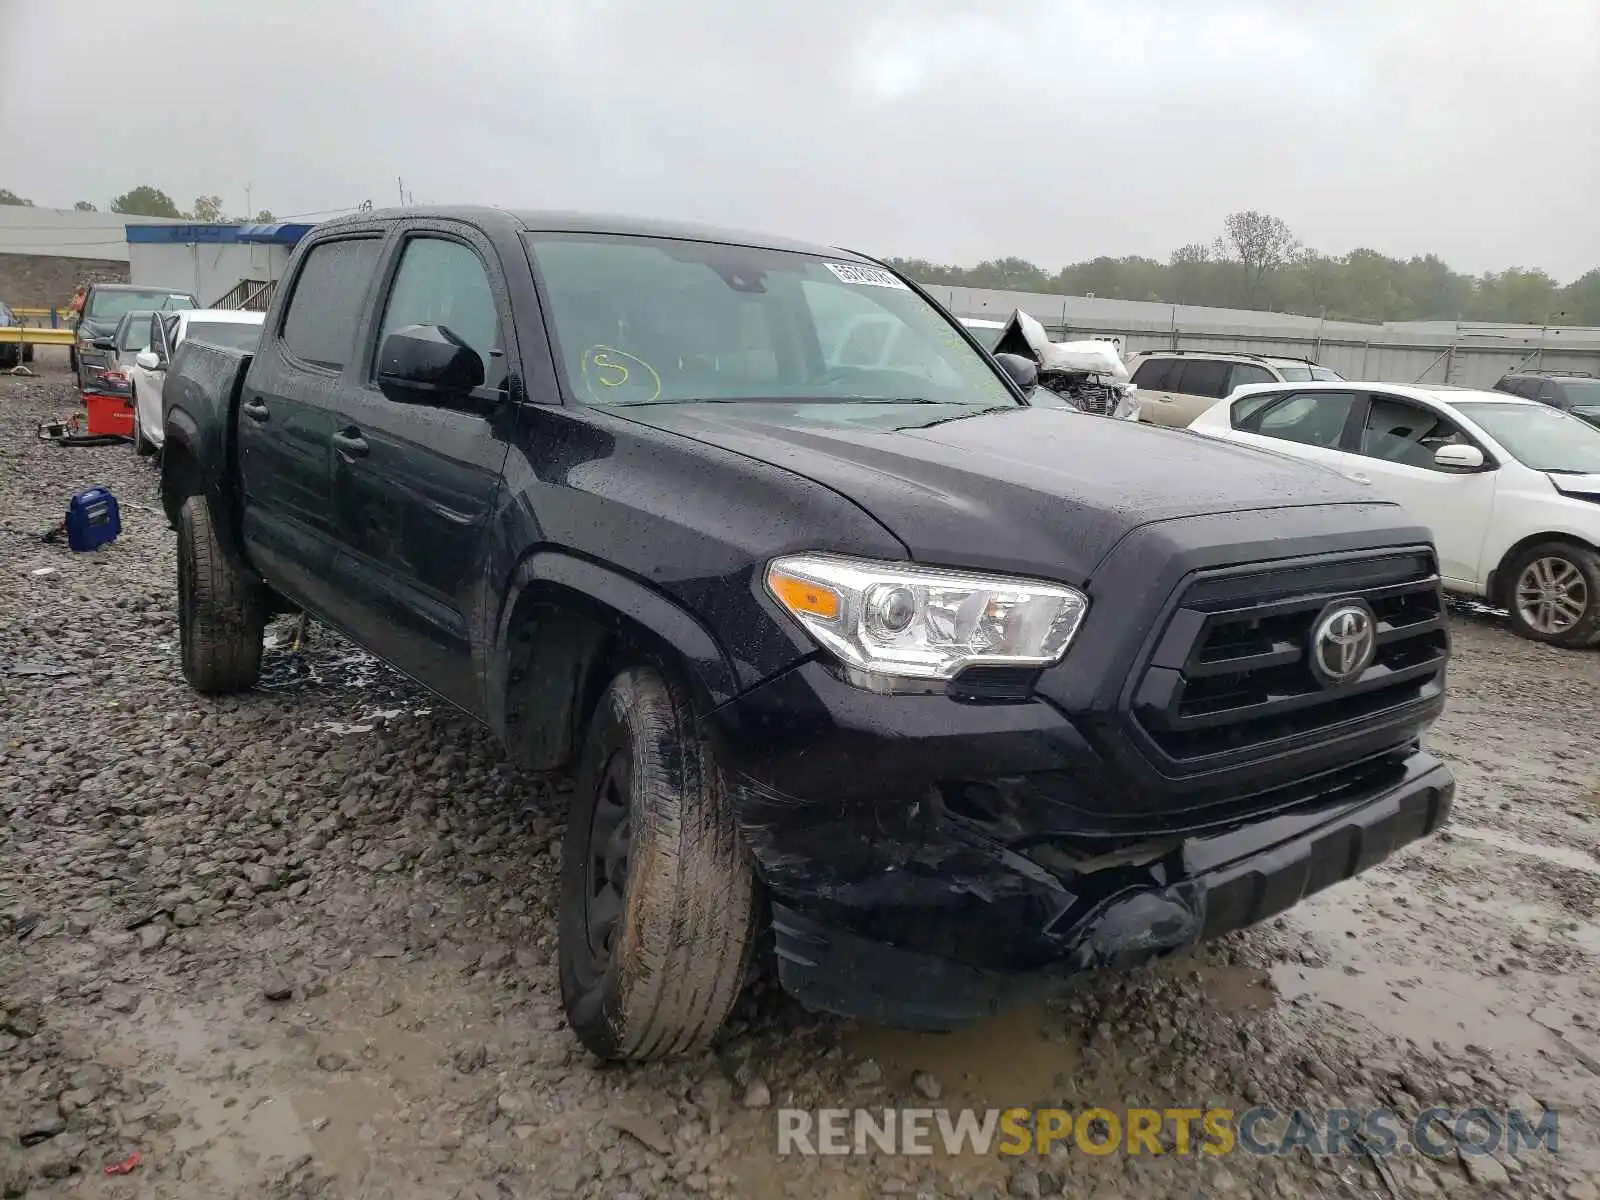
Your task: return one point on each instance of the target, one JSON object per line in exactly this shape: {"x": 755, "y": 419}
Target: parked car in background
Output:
{"x": 985, "y": 332}
{"x": 1176, "y": 386}
{"x": 12, "y": 355}
{"x": 948, "y": 696}
{"x": 1575, "y": 392}
{"x": 166, "y": 333}
{"x": 131, "y": 335}
{"x": 104, "y": 306}
{"x": 1509, "y": 487}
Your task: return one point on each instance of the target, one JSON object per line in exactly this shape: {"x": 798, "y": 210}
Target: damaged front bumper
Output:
{"x": 932, "y": 860}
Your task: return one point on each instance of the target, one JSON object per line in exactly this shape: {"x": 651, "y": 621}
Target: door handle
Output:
{"x": 350, "y": 443}
{"x": 1359, "y": 477}
{"x": 256, "y": 409}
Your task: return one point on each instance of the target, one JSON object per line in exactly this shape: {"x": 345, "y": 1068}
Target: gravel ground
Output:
{"x": 300, "y": 943}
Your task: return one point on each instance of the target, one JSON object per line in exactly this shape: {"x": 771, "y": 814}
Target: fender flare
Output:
{"x": 618, "y": 600}
{"x": 184, "y": 434}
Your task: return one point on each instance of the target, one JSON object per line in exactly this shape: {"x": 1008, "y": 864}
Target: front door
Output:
{"x": 286, "y": 419}
{"x": 414, "y": 478}
{"x": 1398, "y": 439}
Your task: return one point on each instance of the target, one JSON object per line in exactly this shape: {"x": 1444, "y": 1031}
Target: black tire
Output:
{"x": 221, "y": 608}
{"x": 1565, "y": 575}
{"x": 142, "y": 445}
{"x": 670, "y": 966}
{"x": 27, "y": 354}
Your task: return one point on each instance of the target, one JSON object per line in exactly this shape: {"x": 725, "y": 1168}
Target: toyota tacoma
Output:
{"x": 938, "y": 696}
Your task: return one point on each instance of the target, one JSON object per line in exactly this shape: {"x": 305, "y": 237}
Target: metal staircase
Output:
{"x": 251, "y": 295}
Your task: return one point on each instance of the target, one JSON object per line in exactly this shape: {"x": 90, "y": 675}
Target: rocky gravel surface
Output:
{"x": 300, "y": 943}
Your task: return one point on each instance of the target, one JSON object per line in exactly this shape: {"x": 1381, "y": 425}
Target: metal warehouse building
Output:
{"x": 1465, "y": 354}
{"x": 46, "y": 252}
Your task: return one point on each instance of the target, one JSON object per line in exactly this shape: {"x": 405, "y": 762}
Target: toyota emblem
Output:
{"x": 1344, "y": 642}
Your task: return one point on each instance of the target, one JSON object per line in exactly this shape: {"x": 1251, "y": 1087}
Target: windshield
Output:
{"x": 642, "y": 320}
{"x": 1581, "y": 392}
{"x": 234, "y": 335}
{"x": 108, "y": 305}
{"x": 1543, "y": 438}
{"x": 1299, "y": 374}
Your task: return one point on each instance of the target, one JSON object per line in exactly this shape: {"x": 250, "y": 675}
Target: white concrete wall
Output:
{"x": 206, "y": 269}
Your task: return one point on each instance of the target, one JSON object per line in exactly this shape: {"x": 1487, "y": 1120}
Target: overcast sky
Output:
{"x": 1055, "y": 130}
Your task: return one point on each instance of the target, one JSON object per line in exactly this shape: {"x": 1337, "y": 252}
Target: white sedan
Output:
{"x": 231, "y": 327}
{"x": 1510, "y": 488}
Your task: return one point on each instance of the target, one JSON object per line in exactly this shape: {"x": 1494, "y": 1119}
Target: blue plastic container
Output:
{"x": 93, "y": 519}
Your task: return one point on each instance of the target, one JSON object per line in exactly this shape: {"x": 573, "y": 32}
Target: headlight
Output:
{"x": 915, "y": 622}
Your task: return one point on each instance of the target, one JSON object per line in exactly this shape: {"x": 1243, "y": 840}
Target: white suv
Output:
{"x": 1176, "y": 386}
{"x": 1510, "y": 488}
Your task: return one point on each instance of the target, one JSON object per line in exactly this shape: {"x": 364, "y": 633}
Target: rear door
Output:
{"x": 287, "y": 408}
{"x": 1397, "y": 441}
{"x": 414, "y": 478}
{"x": 1154, "y": 378}
{"x": 1199, "y": 383}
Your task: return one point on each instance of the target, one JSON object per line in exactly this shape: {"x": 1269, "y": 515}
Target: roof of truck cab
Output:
{"x": 536, "y": 221}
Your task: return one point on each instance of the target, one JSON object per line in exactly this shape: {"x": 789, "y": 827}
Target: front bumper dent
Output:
{"x": 932, "y": 861}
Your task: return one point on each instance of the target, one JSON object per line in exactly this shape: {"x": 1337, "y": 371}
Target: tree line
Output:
{"x": 147, "y": 201}
{"x": 1258, "y": 263}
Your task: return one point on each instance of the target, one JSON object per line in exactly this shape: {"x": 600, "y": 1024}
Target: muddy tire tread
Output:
{"x": 691, "y": 900}
{"x": 221, "y": 625}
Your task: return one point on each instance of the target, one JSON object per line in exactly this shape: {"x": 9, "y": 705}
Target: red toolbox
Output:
{"x": 109, "y": 414}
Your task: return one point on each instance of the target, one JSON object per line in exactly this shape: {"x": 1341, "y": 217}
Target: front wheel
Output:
{"x": 221, "y": 608}
{"x": 1553, "y": 594}
{"x": 658, "y": 901}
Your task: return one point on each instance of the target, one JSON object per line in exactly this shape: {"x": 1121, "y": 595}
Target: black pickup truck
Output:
{"x": 941, "y": 696}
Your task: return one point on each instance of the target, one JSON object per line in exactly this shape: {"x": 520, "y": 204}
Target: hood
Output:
{"x": 1029, "y": 490}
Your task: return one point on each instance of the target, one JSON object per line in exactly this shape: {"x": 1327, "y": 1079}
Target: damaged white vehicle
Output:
{"x": 1089, "y": 375}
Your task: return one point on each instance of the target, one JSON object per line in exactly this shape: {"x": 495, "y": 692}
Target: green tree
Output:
{"x": 1258, "y": 243}
{"x": 145, "y": 201}
{"x": 1581, "y": 299}
{"x": 7, "y": 196}
{"x": 84, "y": 206}
{"x": 265, "y": 217}
{"x": 207, "y": 209}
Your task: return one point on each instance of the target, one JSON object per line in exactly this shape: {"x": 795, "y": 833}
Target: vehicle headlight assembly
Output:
{"x": 909, "y": 622}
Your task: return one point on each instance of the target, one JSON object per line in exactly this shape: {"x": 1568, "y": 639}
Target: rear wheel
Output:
{"x": 658, "y": 901}
{"x": 221, "y": 608}
{"x": 1553, "y": 594}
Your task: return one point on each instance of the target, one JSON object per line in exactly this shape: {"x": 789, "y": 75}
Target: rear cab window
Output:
{"x": 328, "y": 301}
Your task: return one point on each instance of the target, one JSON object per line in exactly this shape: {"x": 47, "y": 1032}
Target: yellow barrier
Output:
{"x": 35, "y": 337}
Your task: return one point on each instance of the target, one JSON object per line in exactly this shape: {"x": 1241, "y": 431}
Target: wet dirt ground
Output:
{"x": 300, "y": 943}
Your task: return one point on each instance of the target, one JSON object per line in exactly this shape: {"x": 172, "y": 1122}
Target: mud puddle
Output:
{"x": 1560, "y": 856}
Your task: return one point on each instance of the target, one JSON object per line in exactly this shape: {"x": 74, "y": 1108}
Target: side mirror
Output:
{"x": 427, "y": 364}
{"x": 148, "y": 359}
{"x": 105, "y": 344}
{"x": 1458, "y": 458}
{"x": 1024, "y": 372}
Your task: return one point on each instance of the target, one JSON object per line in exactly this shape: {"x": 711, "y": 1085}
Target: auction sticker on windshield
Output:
{"x": 871, "y": 276}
